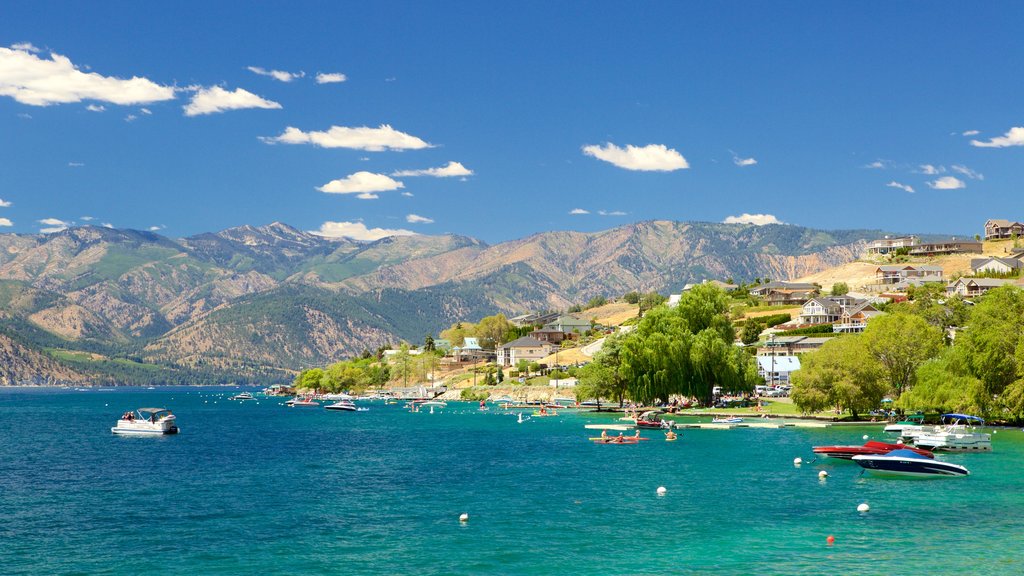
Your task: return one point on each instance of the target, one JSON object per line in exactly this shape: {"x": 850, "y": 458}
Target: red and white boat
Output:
{"x": 870, "y": 448}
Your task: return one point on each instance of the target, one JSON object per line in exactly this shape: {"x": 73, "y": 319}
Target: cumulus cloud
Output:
{"x": 416, "y": 219}
{"x": 743, "y": 161}
{"x": 1013, "y": 137}
{"x": 448, "y": 170}
{"x": 107, "y": 225}
{"x": 37, "y": 81}
{"x": 930, "y": 169}
{"x": 87, "y": 218}
{"x": 577, "y": 211}
{"x": 330, "y": 78}
{"x": 5, "y": 203}
{"x": 6, "y": 222}
{"x": 947, "y": 183}
{"x": 407, "y": 194}
{"x": 904, "y": 187}
{"x": 361, "y": 182}
{"x": 276, "y": 74}
{"x": 611, "y": 213}
{"x": 52, "y": 225}
{"x": 130, "y": 118}
{"x": 25, "y": 47}
{"x": 878, "y": 165}
{"x": 367, "y": 196}
{"x": 755, "y": 219}
{"x": 377, "y": 139}
{"x": 216, "y": 99}
{"x": 970, "y": 132}
{"x": 972, "y": 174}
{"x": 95, "y": 108}
{"x": 357, "y": 231}
{"x": 650, "y": 158}
{"x": 157, "y": 228}
{"x": 146, "y": 111}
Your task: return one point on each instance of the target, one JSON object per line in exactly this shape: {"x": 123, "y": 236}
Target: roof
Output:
{"x": 781, "y": 363}
{"x": 824, "y": 302}
{"x": 470, "y": 344}
{"x": 1008, "y": 262}
{"x": 524, "y": 342}
{"x": 990, "y": 282}
{"x": 547, "y": 330}
{"x": 1000, "y": 222}
{"x": 902, "y": 267}
{"x": 570, "y": 321}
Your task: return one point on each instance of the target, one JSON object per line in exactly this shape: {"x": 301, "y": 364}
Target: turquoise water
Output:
{"x": 262, "y": 488}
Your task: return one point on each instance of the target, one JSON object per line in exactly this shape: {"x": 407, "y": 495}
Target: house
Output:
{"x": 998, "y": 229}
{"x": 525, "y": 348}
{"x": 779, "y": 296}
{"x": 791, "y": 345}
{"x": 910, "y": 273}
{"x": 891, "y": 243}
{"x": 762, "y": 290}
{"x": 855, "y": 318}
{"x": 777, "y": 369}
{"x": 996, "y": 265}
{"x": 568, "y": 324}
{"x": 820, "y": 311}
{"x": 470, "y": 351}
{"x": 950, "y": 246}
{"x": 551, "y": 335}
{"x": 533, "y": 319}
{"x": 970, "y": 287}
{"x": 673, "y": 300}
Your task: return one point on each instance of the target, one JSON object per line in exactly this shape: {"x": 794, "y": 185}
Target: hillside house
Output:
{"x": 780, "y": 296}
{"x": 950, "y": 246}
{"x": 776, "y": 370}
{"x": 891, "y": 243}
{"x": 550, "y": 335}
{"x": 470, "y": 351}
{"x": 568, "y": 324}
{"x": 996, "y": 265}
{"x": 762, "y": 290}
{"x": 533, "y": 319}
{"x": 791, "y": 345}
{"x": 891, "y": 274}
{"x": 855, "y": 318}
{"x": 971, "y": 287}
{"x": 998, "y": 229}
{"x": 831, "y": 310}
{"x": 525, "y": 348}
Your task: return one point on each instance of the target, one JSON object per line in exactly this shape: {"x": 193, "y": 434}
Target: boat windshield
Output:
{"x": 153, "y": 413}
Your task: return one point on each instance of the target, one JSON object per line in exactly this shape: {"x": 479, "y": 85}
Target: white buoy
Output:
{"x": 661, "y": 490}
{"x": 464, "y": 518}
{"x": 798, "y": 461}
{"x": 822, "y": 474}
{"x": 865, "y": 436}
{"x": 863, "y": 507}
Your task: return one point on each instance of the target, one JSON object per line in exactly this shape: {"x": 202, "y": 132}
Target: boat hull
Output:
{"x": 144, "y": 431}
{"x": 888, "y": 466}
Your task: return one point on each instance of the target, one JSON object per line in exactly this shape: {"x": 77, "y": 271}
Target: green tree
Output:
{"x": 842, "y": 374}
{"x": 901, "y": 343}
{"x": 309, "y": 379}
{"x": 650, "y": 300}
{"x": 993, "y": 344}
{"x": 428, "y": 343}
{"x": 751, "y": 331}
{"x": 944, "y": 384}
{"x": 840, "y": 289}
{"x": 523, "y": 367}
{"x": 632, "y": 297}
{"x": 402, "y": 361}
{"x": 492, "y": 329}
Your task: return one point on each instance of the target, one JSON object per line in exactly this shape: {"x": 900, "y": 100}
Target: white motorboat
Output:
{"x": 343, "y": 405}
{"x": 910, "y": 424}
{"x": 339, "y": 396}
{"x": 956, "y": 435}
{"x": 300, "y": 402}
{"x": 243, "y": 396}
{"x": 908, "y": 463}
{"x": 146, "y": 422}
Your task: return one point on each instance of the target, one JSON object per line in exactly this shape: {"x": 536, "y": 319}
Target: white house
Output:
{"x": 525, "y": 348}
{"x": 996, "y": 265}
{"x": 777, "y": 369}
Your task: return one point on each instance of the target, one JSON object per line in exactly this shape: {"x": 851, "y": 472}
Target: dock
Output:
{"x": 730, "y": 426}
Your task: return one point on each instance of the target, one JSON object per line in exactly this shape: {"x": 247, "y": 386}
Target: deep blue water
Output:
{"x": 261, "y": 488}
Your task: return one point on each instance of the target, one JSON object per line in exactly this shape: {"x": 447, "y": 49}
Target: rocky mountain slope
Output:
{"x": 260, "y": 301}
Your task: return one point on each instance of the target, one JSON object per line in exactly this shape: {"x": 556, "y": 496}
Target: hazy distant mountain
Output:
{"x": 260, "y": 301}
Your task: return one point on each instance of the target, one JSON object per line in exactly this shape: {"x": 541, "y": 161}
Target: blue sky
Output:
{"x": 499, "y": 121}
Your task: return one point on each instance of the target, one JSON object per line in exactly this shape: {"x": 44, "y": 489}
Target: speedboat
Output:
{"x": 731, "y": 420}
{"x": 957, "y": 435}
{"x": 650, "y": 420}
{"x": 341, "y": 396}
{"x": 243, "y": 396}
{"x": 302, "y": 402}
{"x": 912, "y": 422}
{"x": 146, "y": 422}
{"x": 908, "y": 463}
{"x": 344, "y": 405}
{"x": 869, "y": 448}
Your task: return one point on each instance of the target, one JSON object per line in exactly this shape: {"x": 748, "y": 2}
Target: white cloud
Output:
{"x": 367, "y": 196}
{"x": 653, "y": 157}
{"x": 5, "y": 203}
{"x": 24, "y": 116}
{"x": 1013, "y": 137}
{"x": 52, "y": 225}
{"x": 611, "y": 213}
{"x": 157, "y": 228}
{"x": 448, "y": 170}
{"x": 25, "y": 47}
{"x": 361, "y": 182}
{"x": 96, "y": 108}
{"x": 755, "y": 219}
{"x": 878, "y": 165}
{"x": 947, "y": 183}
{"x": 377, "y": 139}
{"x": 904, "y": 187}
{"x": 276, "y": 74}
{"x": 131, "y": 118}
{"x": 931, "y": 170}
{"x": 970, "y": 132}
{"x": 37, "y": 81}
{"x": 330, "y": 78}
{"x": 146, "y": 111}
{"x": 407, "y": 194}
{"x": 743, "y": 161}
{"x": 76, "y": 164}
{"x": 972, "y": 174}
{"x": 576, "y": 211}
{"x": 216, "y": 99}
{"x": 416, "y": 219}
{"x": 357, "y": 231}
{"x": 6, "y": 222}
{"x": 107, "y": 225}
{"x": 87, "y": 218}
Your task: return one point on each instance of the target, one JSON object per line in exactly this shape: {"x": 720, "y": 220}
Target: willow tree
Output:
{"x": 842, "y": 374}
{"x": 945, "y": 384}
{"x": 993, "y": 343}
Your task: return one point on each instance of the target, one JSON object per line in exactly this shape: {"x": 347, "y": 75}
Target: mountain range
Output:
{"x": 257, "y": 303}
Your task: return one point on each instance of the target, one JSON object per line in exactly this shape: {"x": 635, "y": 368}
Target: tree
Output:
{"x": 594, "y": 382}
{"x": 458, "y": 332}
{"x": 993, "y": 345}
{"x": 840, "y": 289}
{"x": 499, "y": 376}
{"x": 491, "y": 329}
{"x": 843, "y": 374}
{"x": 595, "y": 302}
{"x": 309, "y": 379}
{"x": 751, "y": 331}
{"x": 944, "y": 384}
{"x": 650, "y": 300}
{"x": 707, "y": 306}
{"x": 428, "y": 343}
{"x": 901, "y": 343}
{"x": 523, "y": 367}
{"x": 403, "y": 364}
{"x": 632, "y": 297}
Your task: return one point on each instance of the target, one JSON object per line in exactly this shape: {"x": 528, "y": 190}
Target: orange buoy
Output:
{"x": 830, "y": 540}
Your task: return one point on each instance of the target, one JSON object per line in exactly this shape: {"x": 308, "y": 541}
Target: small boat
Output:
{"x": 914, "y": 421}
{"x": 730, "y": 420}
{"x": 617, "y": 440}
{"x": 544, "y": 412}
{"x": 650, "y": 420}
{"x": 869, "y": 448}
{"x": 243, "y": 396}
{"x": 907, "y": 463}
{"x": 343, "y": 405}
{"x": 302, "y": 402}
{"x": 146, "y": 422}
{"x": 341, "y": 396}
{"x": 955, "y": 435}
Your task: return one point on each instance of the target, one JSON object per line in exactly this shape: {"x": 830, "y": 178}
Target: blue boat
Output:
{"x": 906, "y": 463}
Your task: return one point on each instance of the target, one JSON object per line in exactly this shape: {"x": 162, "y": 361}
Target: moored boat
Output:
{"x": 906, "y": 463}
{"x": 869, "y": 448}
{"x": 956, "y": 435}
{"x": 730, "y": 420}
{"x": 911, "y": 422}
{"x": 243, "y": 396}
{"x": 147, "y": 422}
{"x": 651, "y": 420}
{"x": 342, "y": 405}
{"x": 303, "y": 402}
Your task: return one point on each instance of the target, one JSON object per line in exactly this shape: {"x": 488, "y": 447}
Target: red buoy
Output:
{"x": 831, "y": 539}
